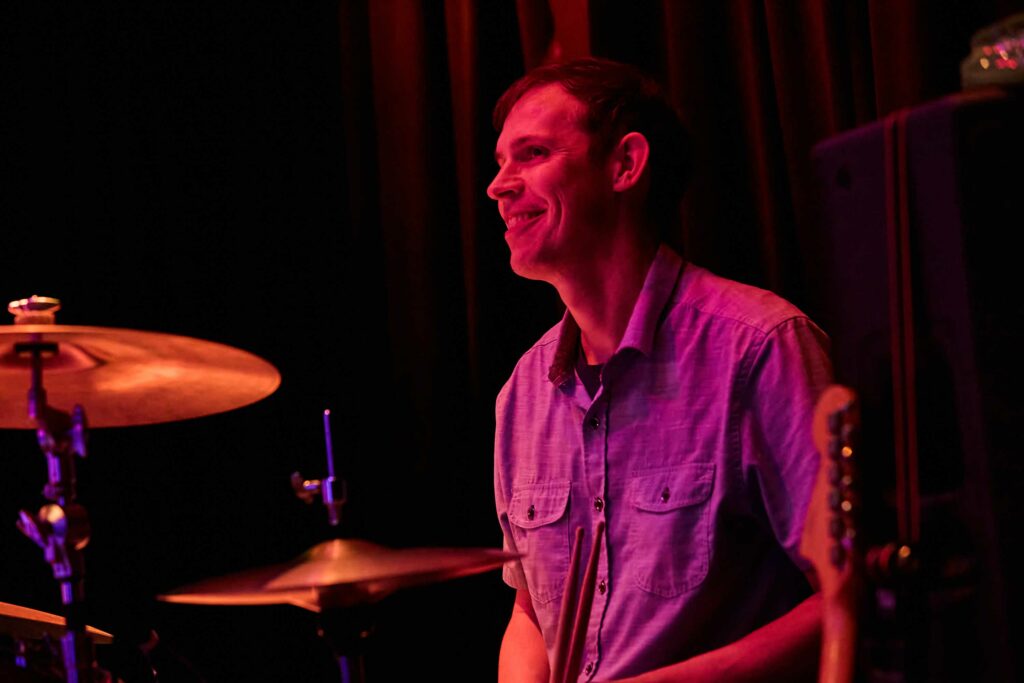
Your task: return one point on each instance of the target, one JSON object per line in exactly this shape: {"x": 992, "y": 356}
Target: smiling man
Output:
{"x": 670, "y": 404}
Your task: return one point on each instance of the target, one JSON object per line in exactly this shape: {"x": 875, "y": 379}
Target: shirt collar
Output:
{"x": 662, "y": 276}
{"x": 564, "y": 364}
{"x": 661, "y": 281}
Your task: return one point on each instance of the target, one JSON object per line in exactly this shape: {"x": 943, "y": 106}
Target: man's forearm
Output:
{"x": 523, "y": 657}
{"x": 786, "y": 649}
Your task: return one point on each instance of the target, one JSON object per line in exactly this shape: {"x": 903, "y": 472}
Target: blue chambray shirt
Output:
{"x": 696, "y": 452}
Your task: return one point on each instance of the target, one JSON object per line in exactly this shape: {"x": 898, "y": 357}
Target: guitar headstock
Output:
{"x": 830, "y": 532}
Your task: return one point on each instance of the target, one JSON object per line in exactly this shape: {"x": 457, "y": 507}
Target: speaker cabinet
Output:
{"x": 957, "y": 616}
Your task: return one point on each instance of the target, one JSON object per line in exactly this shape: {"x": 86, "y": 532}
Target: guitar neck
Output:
{"x": 839, "y": 636}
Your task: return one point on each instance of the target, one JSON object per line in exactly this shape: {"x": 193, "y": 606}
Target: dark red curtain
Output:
{"x": 758, "y": 84}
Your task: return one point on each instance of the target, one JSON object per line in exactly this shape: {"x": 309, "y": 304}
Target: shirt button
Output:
{"x": 595, "y": 423}
{"x": 589, "y": 668}
{"x": 664, "y": 495}
{"x": 602, "y": 587}
{"x": 599, "y": 504}
{"x": 531, "y": 512}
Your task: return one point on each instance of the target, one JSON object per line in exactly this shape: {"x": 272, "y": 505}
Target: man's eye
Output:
{"x": 535, "y": 152}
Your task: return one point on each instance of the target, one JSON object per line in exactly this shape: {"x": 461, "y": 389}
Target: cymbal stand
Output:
{"x": 344, "y": 630}
{"x": 331, "y": 490}
{"x": 61, "y": 528}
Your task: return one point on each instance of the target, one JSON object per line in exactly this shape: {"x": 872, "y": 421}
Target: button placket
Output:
{"x": 594, "y": 432}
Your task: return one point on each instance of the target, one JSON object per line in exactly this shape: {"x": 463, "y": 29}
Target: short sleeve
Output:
{"x": 512, "y": 572}
{"x": 788, "y": 371}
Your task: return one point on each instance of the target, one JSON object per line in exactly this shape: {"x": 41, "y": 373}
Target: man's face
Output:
{"x": 553, "y": 196}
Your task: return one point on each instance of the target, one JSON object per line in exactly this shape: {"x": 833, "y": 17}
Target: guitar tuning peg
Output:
{"x": 837, "y": 555}
{"x": 835, "y": 448}
{"x": 848, "y": 432}
{"x": 836, "y": 527}
{"x": 835, "y": 420}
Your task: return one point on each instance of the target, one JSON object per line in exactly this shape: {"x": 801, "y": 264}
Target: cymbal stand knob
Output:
{"x": 332, "y": 491}
{"x": 306, "y": 489}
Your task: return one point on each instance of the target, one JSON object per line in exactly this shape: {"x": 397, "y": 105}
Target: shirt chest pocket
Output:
{"x": 669, "y": 532}
{"x": 540, "y": 523}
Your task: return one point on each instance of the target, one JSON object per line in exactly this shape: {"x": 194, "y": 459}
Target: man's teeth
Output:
{"x": 513, "y": 221}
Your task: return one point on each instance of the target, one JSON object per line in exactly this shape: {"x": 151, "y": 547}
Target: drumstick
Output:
{"x": 563, "y": 634}
{"x": 579, "y": 631}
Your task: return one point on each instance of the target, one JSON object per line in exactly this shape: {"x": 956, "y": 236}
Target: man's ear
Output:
{"x": 629, "y": 159}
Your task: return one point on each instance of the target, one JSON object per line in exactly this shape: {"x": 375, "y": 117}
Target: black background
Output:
{"x": 180, "y": 169}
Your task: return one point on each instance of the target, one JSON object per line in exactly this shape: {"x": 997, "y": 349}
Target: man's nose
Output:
{"x": 506, "y": 182}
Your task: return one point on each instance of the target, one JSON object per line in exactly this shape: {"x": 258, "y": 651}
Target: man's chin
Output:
{"x": 526, "y": 268}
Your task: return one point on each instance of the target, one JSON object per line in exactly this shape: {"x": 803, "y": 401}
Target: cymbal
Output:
{"x": 23, "y": 622}
{"x": 340, "y": 573}
{"x": 129, "y": 377}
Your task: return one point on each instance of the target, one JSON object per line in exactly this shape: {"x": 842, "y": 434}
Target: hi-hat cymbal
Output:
{"x": 129, "y": 377}
{"x": 31, "y": 624}
{"x": 340, "y": 573}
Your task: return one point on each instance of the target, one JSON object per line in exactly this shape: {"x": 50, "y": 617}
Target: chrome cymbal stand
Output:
{"x": 331, "y": 490}
{"x": 61, "y": 527}
{"x": 345, "y": 630}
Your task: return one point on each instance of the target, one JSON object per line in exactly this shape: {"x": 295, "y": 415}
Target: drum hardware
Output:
{"x": 30, "y": 643}
{"x": 131, "y": 378}
{"x": 345, "y": 631}
{"x": 61, "y": 527}
{"x": 331, "y": 490}
{"x": 340, "y": 579}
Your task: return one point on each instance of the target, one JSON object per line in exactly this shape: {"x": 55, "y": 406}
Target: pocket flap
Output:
{"x": 535, "y": 505}
{"x": 672, "y": 489}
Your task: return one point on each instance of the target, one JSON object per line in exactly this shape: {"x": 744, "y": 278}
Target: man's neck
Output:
{"x": 601, "y": 297}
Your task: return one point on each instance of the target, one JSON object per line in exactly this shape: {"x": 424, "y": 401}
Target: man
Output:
{"x": 670, "y": 404}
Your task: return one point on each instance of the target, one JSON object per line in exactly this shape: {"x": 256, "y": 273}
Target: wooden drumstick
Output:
{"x": 579, "y": 631}
{"x": 564, "y": 632}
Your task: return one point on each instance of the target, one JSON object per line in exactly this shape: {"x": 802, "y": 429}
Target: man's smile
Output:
{"x": 517, "y": 219}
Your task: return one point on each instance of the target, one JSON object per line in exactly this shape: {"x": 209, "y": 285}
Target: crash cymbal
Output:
{"x": 340, "y": 573}
{"x": 31, "y": 624}
{"x": 129, "y": 377}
